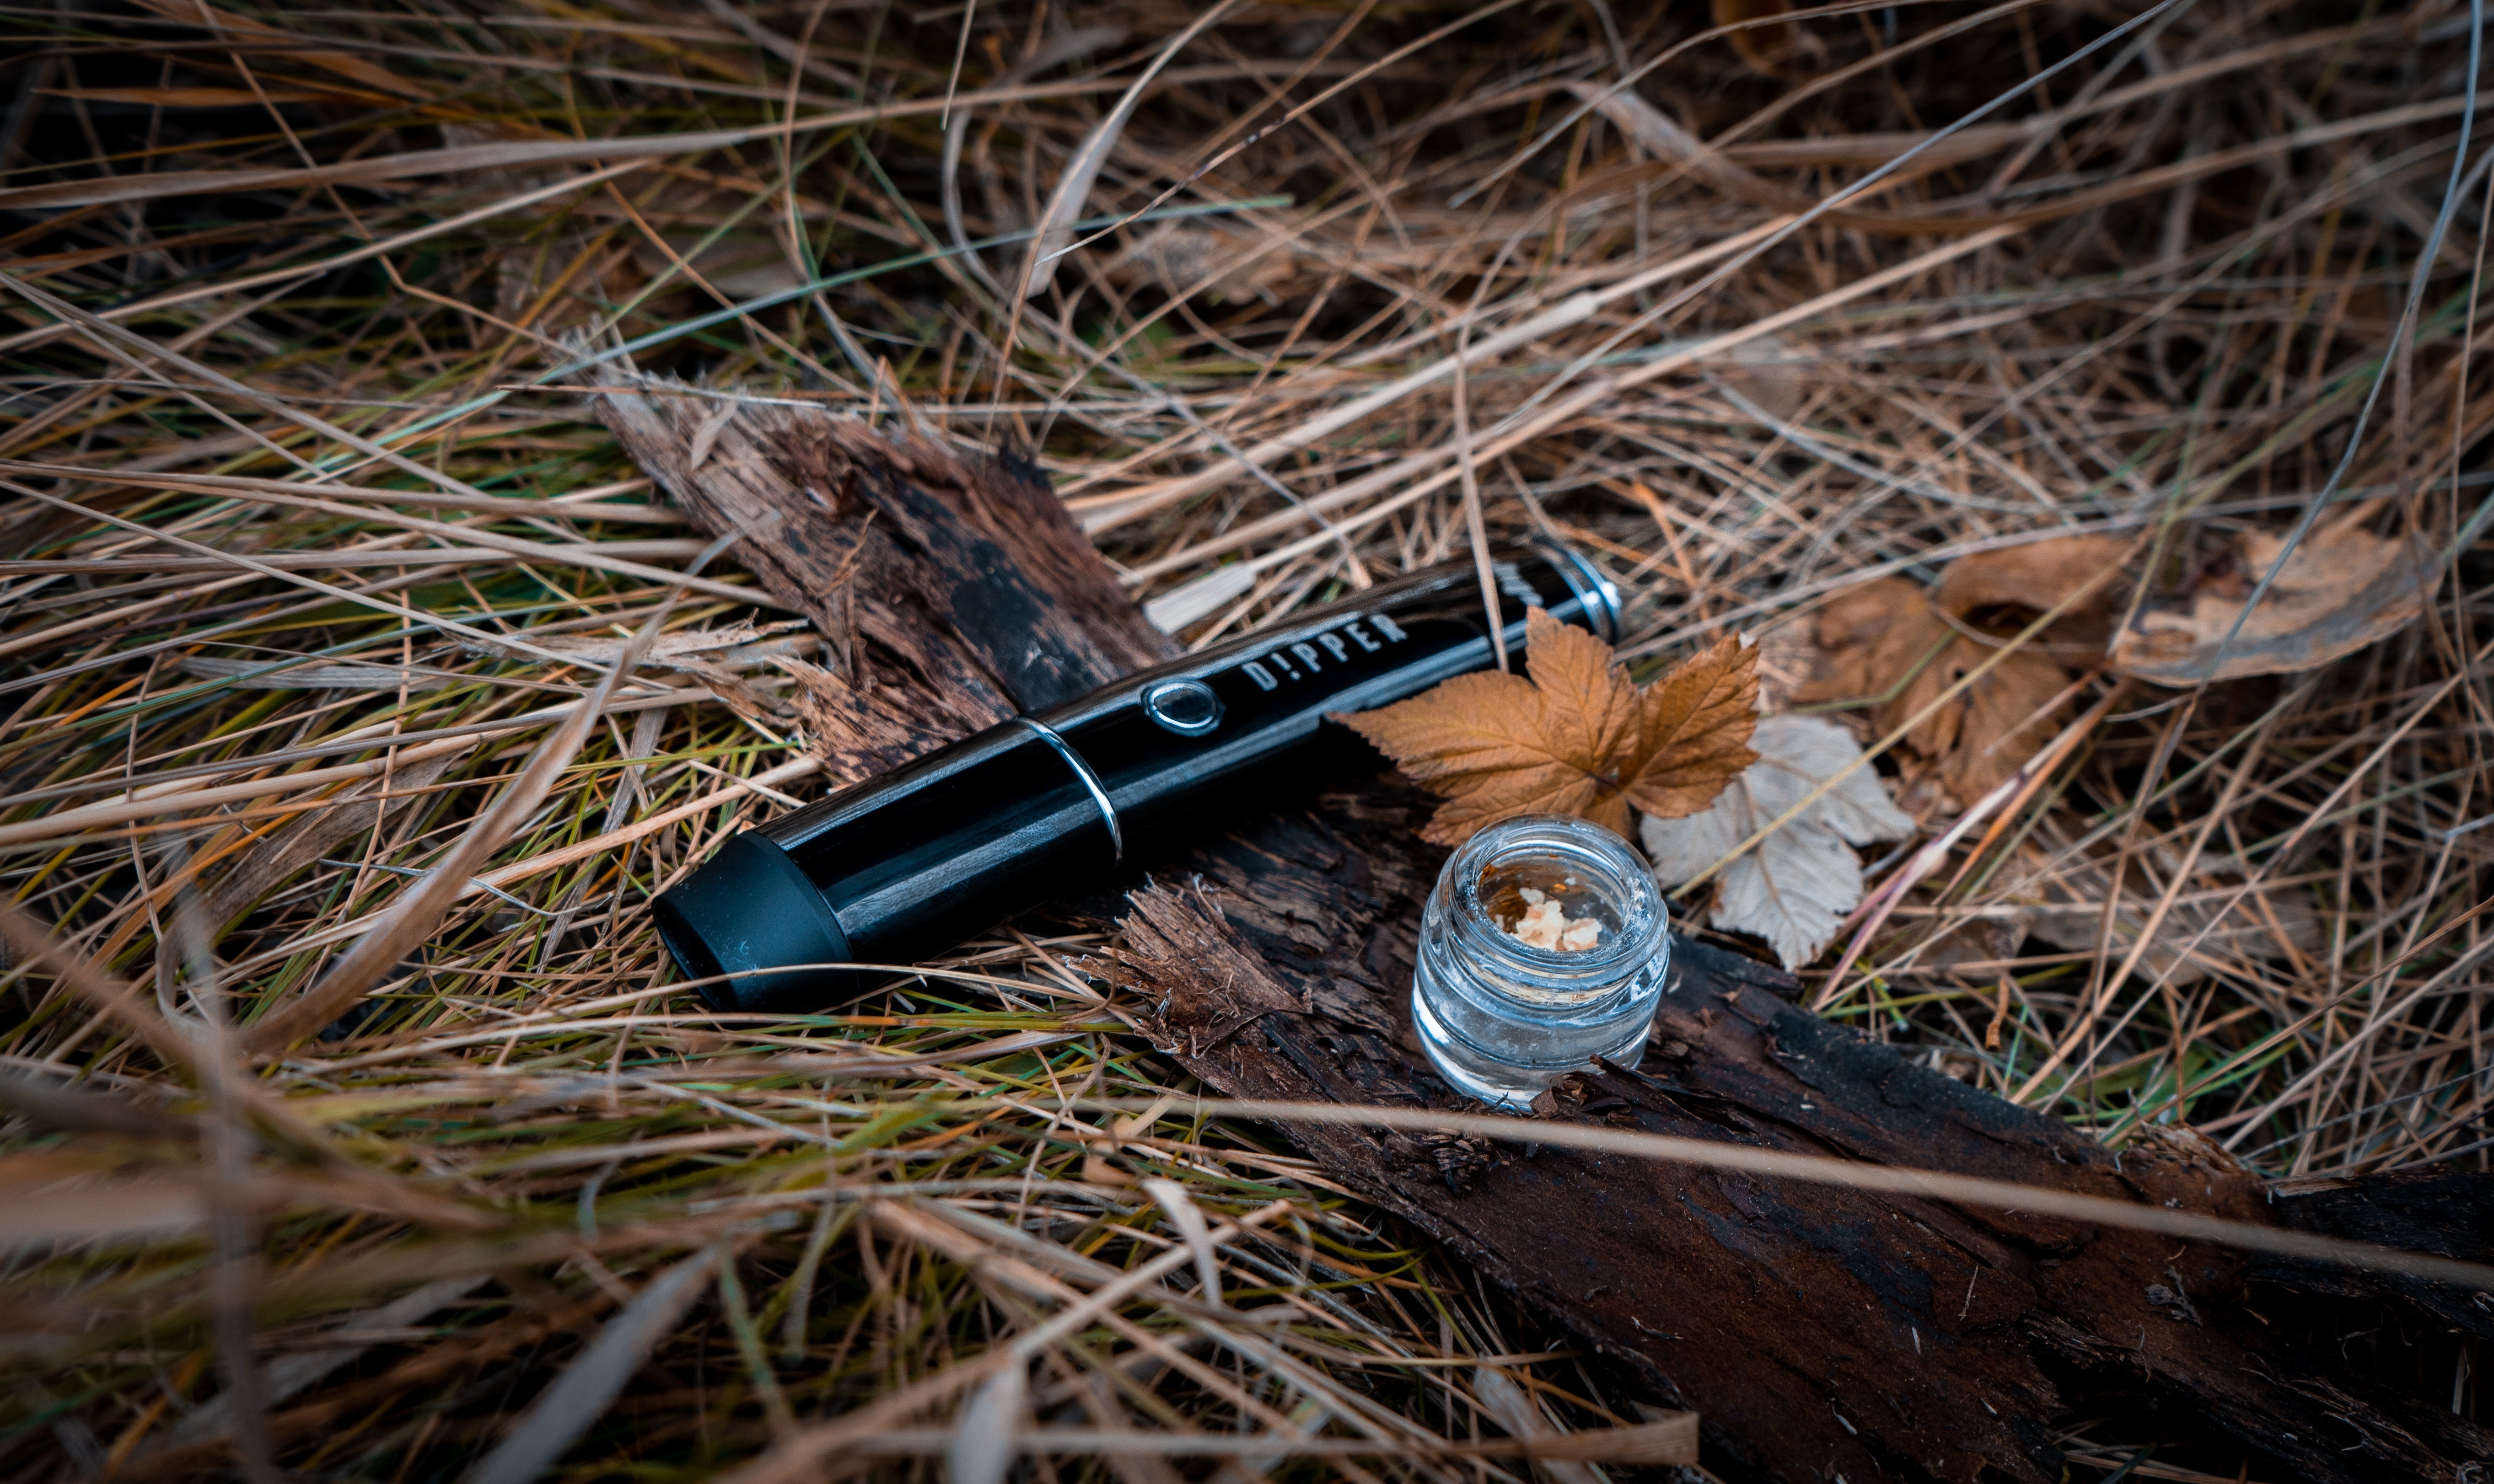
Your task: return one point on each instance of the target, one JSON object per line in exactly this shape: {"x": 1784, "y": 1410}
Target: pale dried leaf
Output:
{"x": 1795, "y": 889}
{"x": 1772, "y": 372}
{"x": 742, "y": 265}
{"x": 1787, "y": 658}
{"x": 2339, "y": 591}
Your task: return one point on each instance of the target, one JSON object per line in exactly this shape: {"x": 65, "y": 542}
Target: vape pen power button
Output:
{"x": 1188, "y": 708}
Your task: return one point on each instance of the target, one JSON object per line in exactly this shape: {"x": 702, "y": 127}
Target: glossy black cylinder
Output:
{"x": 907, "y": 866}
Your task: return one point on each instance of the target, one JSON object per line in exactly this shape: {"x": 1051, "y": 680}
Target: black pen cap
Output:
{"x": 908, "y": 866}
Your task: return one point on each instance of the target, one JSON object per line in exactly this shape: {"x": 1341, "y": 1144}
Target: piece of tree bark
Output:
{"x": 1822, "y": 1333}
{"x": 951, "y": 591}
{"x": 1819, "y": 1331}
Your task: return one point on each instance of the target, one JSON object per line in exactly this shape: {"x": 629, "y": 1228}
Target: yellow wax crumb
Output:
{"x": 1547, "y": 925}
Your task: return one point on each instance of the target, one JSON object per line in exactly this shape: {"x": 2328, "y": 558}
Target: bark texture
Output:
{"x": 951, "y": 590}
{"x": 1820, "y": 1332}
{"x": 1823, "y": 1334}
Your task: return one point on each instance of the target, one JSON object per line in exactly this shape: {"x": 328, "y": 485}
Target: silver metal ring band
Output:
{"x": 1090, "y": 781}
{"x": 1596, "y": 592}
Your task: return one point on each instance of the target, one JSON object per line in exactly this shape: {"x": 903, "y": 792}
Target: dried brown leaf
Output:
{"x": 2341, "y": 590}
{"x": 1884, "y": 642}
{"x": 1694, "y": 732}
{"x": 1900, "y": 648}
{"x": 2036, "y": 577}
{"x": 1577, "y": 737}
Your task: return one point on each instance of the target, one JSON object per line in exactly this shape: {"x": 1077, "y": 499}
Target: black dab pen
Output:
{"x": 907, "y": 866}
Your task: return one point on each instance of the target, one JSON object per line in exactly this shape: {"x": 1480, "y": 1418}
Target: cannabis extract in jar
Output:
{"x": 1544, "y": 946}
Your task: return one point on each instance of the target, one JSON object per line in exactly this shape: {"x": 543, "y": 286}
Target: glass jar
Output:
{"x": 1501, "y": 1017}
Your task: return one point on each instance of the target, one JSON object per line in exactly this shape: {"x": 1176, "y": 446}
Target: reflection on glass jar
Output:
{"x": 1544, "y": 946}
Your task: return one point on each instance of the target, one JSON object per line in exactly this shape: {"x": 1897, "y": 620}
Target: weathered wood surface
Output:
{"x": 951, "y": 591}
{"x": 1822, "y": 1333}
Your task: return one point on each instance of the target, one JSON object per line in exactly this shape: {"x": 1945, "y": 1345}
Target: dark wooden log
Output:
{"x": 1822, "y": 1333}
{"x": 952, "y": 591}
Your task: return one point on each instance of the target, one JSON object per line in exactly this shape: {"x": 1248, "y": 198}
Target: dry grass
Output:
{"x": 306, "y": 528}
